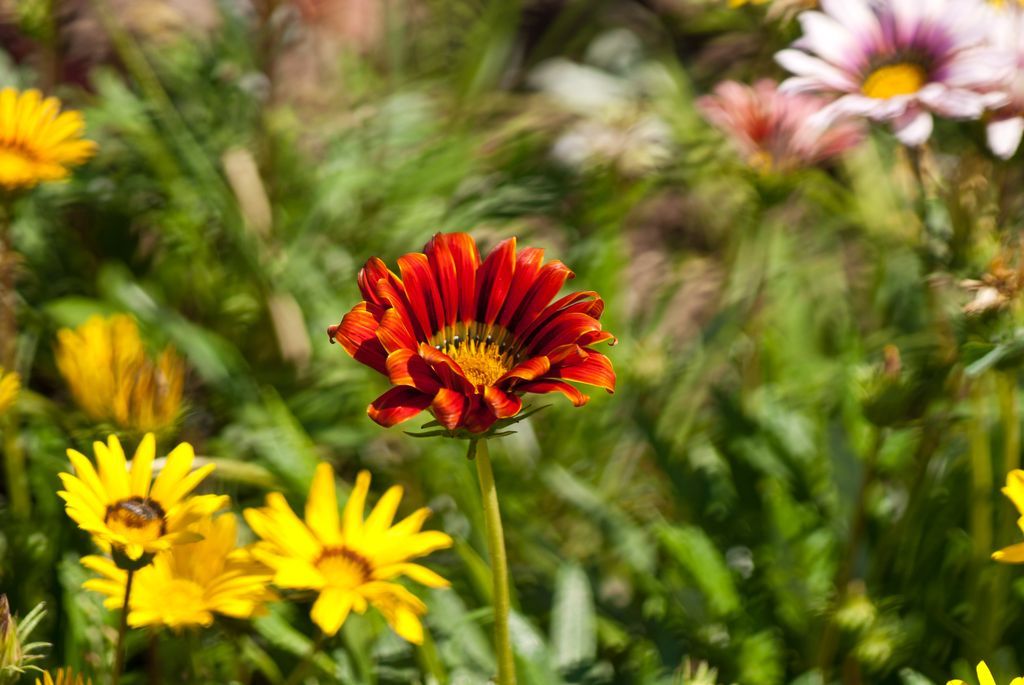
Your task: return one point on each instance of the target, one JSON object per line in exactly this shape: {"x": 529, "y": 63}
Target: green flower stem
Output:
{"x": 123, "y": 630}
{"x": 499, "y": 563}
{"x": 302, "y": 668}
{"x": 982, "y": 477}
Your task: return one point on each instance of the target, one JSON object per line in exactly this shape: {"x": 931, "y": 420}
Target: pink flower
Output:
{"x": 770, "y": 128}
{"x": 899, "y": 61}
{"x": 1007, "y": 123}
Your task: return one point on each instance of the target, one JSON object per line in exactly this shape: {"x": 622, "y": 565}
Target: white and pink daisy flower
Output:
{"x": 1007, "y": 124}
{"x": 900, "y": 61}
{"x": 770, "y": 128}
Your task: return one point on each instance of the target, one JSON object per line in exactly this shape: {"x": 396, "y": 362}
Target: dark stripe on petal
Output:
{"x": 527, "y": 267}
{"x": 546, "y": 285}
{"x": 442, "y": 263}
{"x": 421, "y": 290}
{"x": 494, "y": 280}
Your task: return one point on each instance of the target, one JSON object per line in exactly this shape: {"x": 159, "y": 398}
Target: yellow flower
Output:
{"x": 188, "y": 584}
{"x": 64, "y": 677}
{"x": 113, "y": 379}
{"x": 120, "y": 509}
{"x": 1014, "y": 490}
{"x": 10, "y": 384}
{"x": 740, "y": 3}
{"x": 985, "y": 677}
{"x": 37, "y": 142}
{"x": 350, "y": 562}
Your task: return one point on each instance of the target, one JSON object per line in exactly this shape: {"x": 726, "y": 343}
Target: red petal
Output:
{"x": 467, "y": 263}
{"x": 504, "y": 404}
{"x": 596, "y": 369}
{"x": 567, "y": 304}
{"x": 357, "y": 333}
{"x": 546, "y": 285}
{"x": 566, "y": 355}
{"x": 393, "y": 291}
{"x": 369, "y": 276}
{"x": 397, "y": 405}
{"x": 446, "y": 274}
{"x": 494, "y": 280}
{"x": 594, "y": 337}
{"x": 447, "y": 407}
{"x": 532, "y": 368}
{"x": 561, "y": 330}
{"x": 394, "y": 333}
{"x": 421, "y": 290}
{"x": 527, "y": 267}
{"x": 406, "y": 367}
{"x": 546, "y": 386}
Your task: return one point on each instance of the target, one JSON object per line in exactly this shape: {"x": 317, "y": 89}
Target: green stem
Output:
{"x": 1011, "y": 424}
{"x": 122, "y": 631}
{"x": 981, "y": 479}
{"x": 302, "y": 668}
{"x": 499, "y": 563}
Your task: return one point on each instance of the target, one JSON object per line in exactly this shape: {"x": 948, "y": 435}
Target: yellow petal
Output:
{"x": 85, "y": 471}
{"x": 322, "y": 506}
{"x": 383, "y": 514}
{"x": 406, "y": 624}
{"x": 186, "y": 485}
{"x": 331, "y": 609}
{"x": 1014, "y": 489}
{"x": 179, "y": 463}
{"x": 113, "y": 468}
{"x": 142, "y": 466}
{"x": 985, "y": 675}
{"x": 1014, "y": 554}
{"x": 415, "y": 572}
{"x": 352, "y": 517}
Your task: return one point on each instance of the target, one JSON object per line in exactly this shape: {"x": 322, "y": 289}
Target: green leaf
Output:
{"x": 573, "y": 624}
{"x": 694, "y": 551}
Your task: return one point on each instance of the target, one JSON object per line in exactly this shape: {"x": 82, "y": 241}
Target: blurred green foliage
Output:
{"x": 767, "y": 492}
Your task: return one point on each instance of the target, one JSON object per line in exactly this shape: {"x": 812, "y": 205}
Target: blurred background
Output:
{"x": 798, "y": 478}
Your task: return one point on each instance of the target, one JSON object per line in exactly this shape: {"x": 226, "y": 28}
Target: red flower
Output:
{"x": 466, "y": 339}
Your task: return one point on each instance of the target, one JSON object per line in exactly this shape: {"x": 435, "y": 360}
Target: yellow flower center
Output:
{"x": 138, "y": 519}
{"x": 482, "y": 362}
{"x": 344, "y": 568}
{"x": 892, "y": 80}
